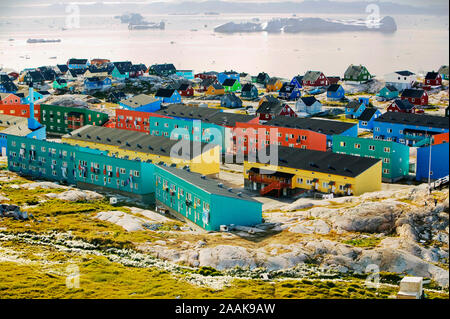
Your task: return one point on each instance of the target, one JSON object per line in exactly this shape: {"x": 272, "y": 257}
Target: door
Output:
{"x": 3, "y": 151}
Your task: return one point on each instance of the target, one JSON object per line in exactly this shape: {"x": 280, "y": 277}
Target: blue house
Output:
{"x": 335, "y": 92}
{"x": 367, "y": 118}
{"x": 389, "y": 92}
{"x": 187, "y": 74}
{"x": 408, "y": 128}
{"x": 289, "y": 92}
{"x": 354, "y": 109}
{"x": 168, "y": 96}
{"x": 439, "y": 162}
{"x": 97, "y": 83}
{"x": 8, "y": 87}
{"x": 203, "y": 201}
{"x": 222, "y": 76}
{"x": 297, "y": 81}
{"x": 230, "y": 100}
{"x": 25, "y": 97}
{"x": 142, "y": 103}
{"x": 77, "y": 63}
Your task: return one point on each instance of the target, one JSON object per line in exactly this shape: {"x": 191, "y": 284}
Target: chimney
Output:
{"x": 32, "y": 123}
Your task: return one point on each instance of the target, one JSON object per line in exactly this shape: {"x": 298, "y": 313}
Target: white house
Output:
{"x": 400, "y": 79}
{"x": 308, "y": 105}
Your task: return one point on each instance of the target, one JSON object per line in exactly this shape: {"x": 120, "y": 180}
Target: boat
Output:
{"x": 43, "y": 40}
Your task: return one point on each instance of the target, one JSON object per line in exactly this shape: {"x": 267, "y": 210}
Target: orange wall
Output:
{"x": 20, "y": 110}
{"x": 440, "y": 138}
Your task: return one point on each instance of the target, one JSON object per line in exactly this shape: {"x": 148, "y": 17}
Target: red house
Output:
{"x": 403, "y": 106}
{"x": 185, "y": 89}
{"x": 433, "y": 79}
{"x": 22, "y": 110}
{"x": 415, "y": 96}
{"x": 205, "y": 84}
{"x": 315, "y": 78}
{"x": 206, "y": 75}
{"x": 269, "y": 109}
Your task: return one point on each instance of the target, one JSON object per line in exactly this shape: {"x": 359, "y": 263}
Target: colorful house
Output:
{"x": 120, "y": 74}
{"x": 403, "y": 106}
{"x": 230, "y": 100}
{"x": 162, "y": 69}
{"x": 306, "y": 171}
{"x": 205, "y": 84}
{"x": 116, "y": 97}
{"x": 408, "y": 128}
{"x": 357, "y": 73}
{"x": 367, "y": 118}
{"x": 400, "y": 79}
{"x": 308, "y": 105}
{"x": 433, "y": 79}
{"x": 215, "y": 89}
{"x": 77, "y": 63}
{"x": 7, "y": 86}
{"x": 249, "y": 92}
{"x": 297, "y": 81}
{"x": 207, "y": 75}
{"x": 262, "y": 78}
{"x": 33, "y": 77}
{"x": 137, "y": 70}
{"x": 315, "y": 78}
{"x": 389, "y": 92}
{"x": 354, "y": 109}
{"x": 134, "y": 120}
{"x": 9, "y": 99}
{"x": 63, "y": 119}
{"x": 335, "y": 92}
{"x": 84, "y": 167}
{"x": 141, "y": 102}
{"x": 97, "y": 83}
{"x": 274, "y": 85}
{"x": 202, "y": 201}
{"x": 25, "y": 97}
{"x": 199, "y": 157}
{"x": 268, "y": 110}
{"x": 187, "y": 74}
{"x": 22, "y": 110}
{"x": 231, "y": 85}
{"x": 168, "y": 96}
{"x": 443, "y": 71}
{"x": 222, "y": 76}
{"x": 59, "y": 84}
{"x": 185, "y": 89}
{"x": 415, "y": 96}
{"x": 439, "y": 166}
{"x": 289, "y": 92}
{"x": 394, "y": 156}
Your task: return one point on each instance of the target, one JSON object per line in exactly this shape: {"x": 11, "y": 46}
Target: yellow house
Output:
{"x": 215, "y": 89}
{"x": 297, "y": 171}
{"x": 274, "y": 84}
{"x": 199, "y": 157}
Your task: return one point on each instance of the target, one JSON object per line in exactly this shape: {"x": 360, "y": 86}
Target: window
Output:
{"x": 122, "y": 171}
{"x": 299, "y": 180}
{"x": 308, "y": 182}
{"x": 387, "y": 150}
{"x": 206, "y": 206}
{"x": 386, "y": 160}
{"x": 386, "y": 171}
{"x": 357, "y": 146}
{"x": 136, "y": 173}
{"x": 389, "y": 130}
{"x": 372, "y": 147}
{"x": 341, "y": 188}
{"x": 325, "y": 185}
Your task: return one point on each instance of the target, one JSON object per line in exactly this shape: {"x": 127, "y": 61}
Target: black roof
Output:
{"x": 77, "y": 61}
{"x": 309, "y": 100}
{"x": 414, "y": 119}
{"x": 158, "y": 68}
{"x": 164, "y": 92}
{"x": 404, "y": 104}
{"x": 247, "y": 87}
{"x": 328, "y": 127}
{"x": 287, "y": 88}
{"x": 123, "y": 67}
{"x": 36, "y": 76}
{"x": 207, "y": 184}
{"x": 9, "y": 86}
{"x": 229, "y": 82}
{"x": 367, "y": 114}
{"x": 60, "y": 81}
{"x": 404, "y": 73}
{"x": 353, "y": 104}
{"x": 270, "y": 108}
{"x": 185, "y": 111}
{"x": 62, "y": 67}
{"x": 391, "y": 88}
{"x": 184, "y": 86}
{"x": 413, "y": 93}
{"x": 431, "y": 75}
{"x": 207, "y": 82}
{"x": 323, "y": 162}
{"x": 333, "y": 87}
{"x": 131, "y": 140}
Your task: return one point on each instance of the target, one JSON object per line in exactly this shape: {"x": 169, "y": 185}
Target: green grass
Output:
{"x": 363, "y": 242}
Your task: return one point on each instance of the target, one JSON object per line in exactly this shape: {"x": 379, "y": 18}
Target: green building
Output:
{"x": 203, "y": 201}
{"x": 81, "y": 166}
{"x": 63, "y": 119}
{"x": 357, "y": 73}
{"x": 231, "y": 85}
{"x": 394, "y": 156}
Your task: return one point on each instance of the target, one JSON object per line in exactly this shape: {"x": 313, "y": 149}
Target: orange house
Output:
{"x": 274, "y": 84}
{"x": 9, "y": 99}
{"x": 99, "y": 62}
{"x": 215, "y": 89}
{"x": 248, "y": 137}
{"x": 134, "y": 120}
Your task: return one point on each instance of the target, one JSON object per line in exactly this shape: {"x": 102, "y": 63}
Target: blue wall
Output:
{"x": 439, "y": 161}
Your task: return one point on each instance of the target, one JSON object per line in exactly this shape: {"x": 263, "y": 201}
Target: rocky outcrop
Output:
{"x": 76, "y": 195}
